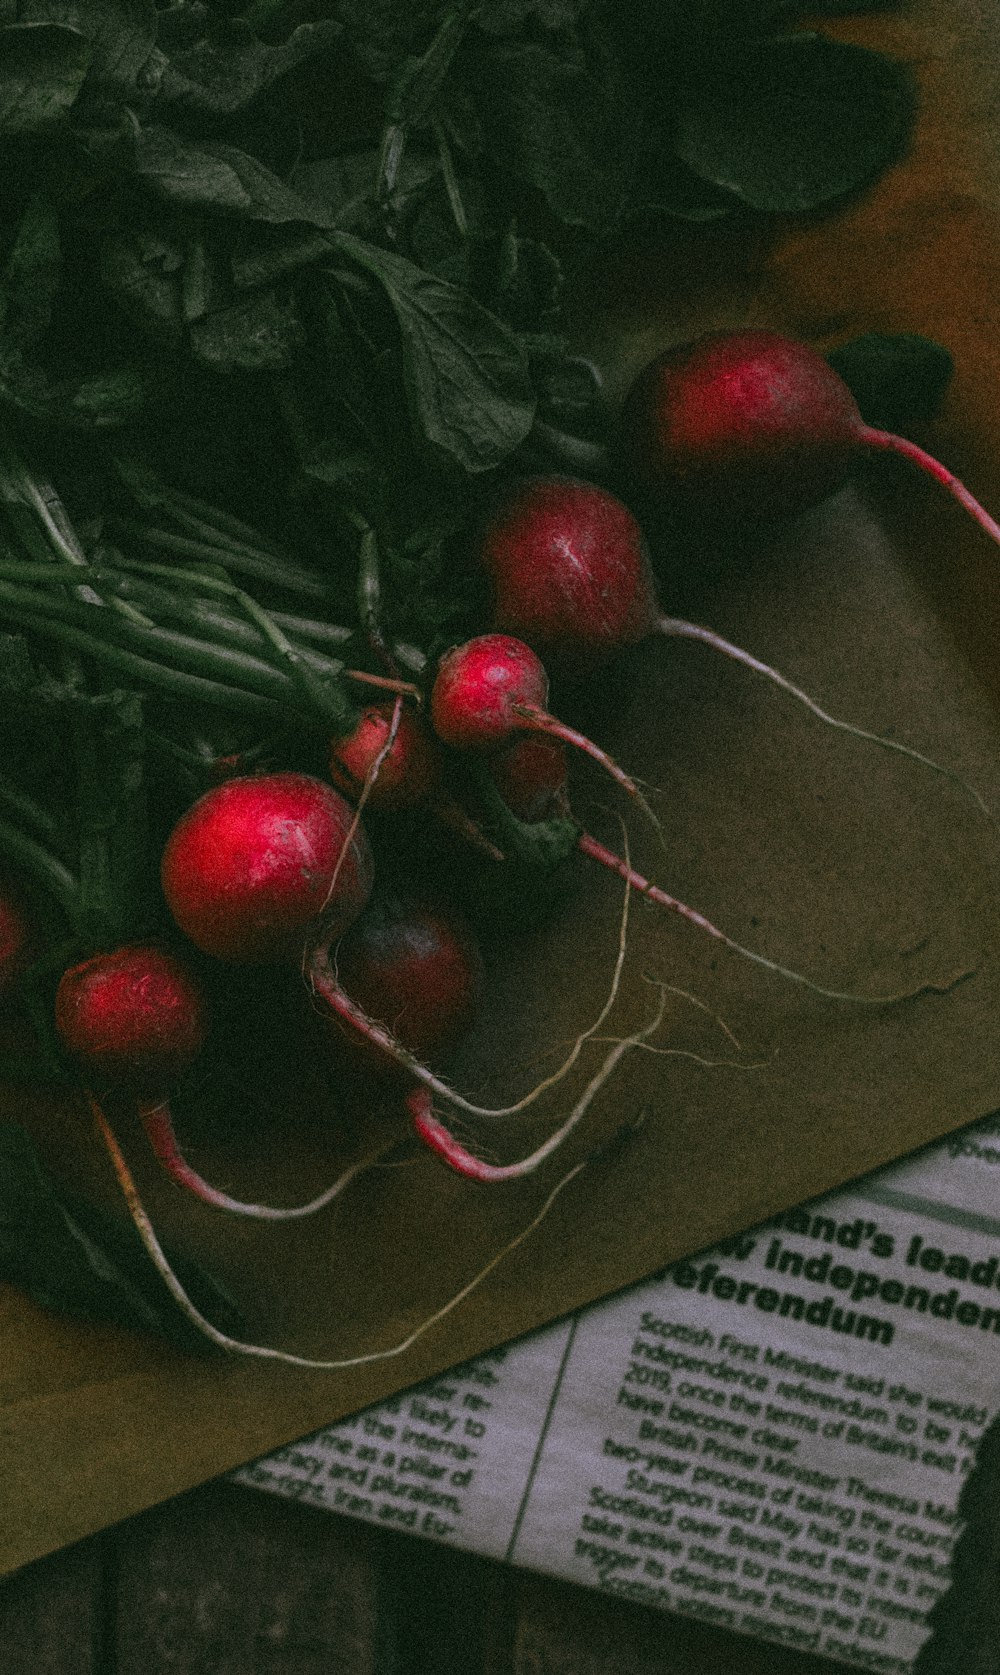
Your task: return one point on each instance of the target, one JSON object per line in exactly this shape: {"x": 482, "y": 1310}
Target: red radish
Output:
{"x": 493, "y": 687}
{"x": 276, "y": 868}
{"x": 554, "y": 589}
{"x": 132, "y": 1019}
{"x": 755, "y": 421}
{"x": 417, "y": 970}
{"x": 410, "y": 767}
{"x": 530, "y": 774}
{"x": 392, "y": 761}
{"x": 570, "y": 571}
{"x": 257, "y": 868}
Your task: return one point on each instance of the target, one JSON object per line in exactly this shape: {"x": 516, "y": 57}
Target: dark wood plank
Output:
{"x": 452, "y": 1612}
{"x": 52, "y": 1619}
{"x": 566, "y": 1630}
{"x": 225, "y": 1581}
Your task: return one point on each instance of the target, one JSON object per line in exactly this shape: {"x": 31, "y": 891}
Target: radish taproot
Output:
{"x": 530, "y": 776}
{"x": 760, "y": 424}
{"x": 569, "y": 570}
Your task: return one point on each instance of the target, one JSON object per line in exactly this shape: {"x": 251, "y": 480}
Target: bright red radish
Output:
{"x": 257, "y": 868}
{"x": 132, "y": 1019}
{"x": 553, "y": 590}
{"x": 409, "y": 770}
{"x": 417, "y": 970}
{"x": 758, "y": 423}
{"x": 491, "y": 688}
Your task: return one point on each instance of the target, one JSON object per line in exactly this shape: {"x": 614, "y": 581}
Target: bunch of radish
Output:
{"x": 272, "y": 865}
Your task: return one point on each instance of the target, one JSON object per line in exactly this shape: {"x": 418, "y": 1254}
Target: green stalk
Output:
{"x": 40, "y": 518}
{"x": 289, "y": 577}
{"x": 44, "y": 867}
{"x": 30, "y": 812}
{"x": 191, "y": 688}
{"x": 330, "y": 703}
{"x": 210, "y": 619}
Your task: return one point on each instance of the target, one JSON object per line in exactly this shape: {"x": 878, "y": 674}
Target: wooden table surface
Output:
{"x": 229, "y": 1581}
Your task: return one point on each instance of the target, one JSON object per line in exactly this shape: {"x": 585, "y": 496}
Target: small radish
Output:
{"x": 417, "y": 970}
{"x": 569, "y": 571}
{"x": 531, "y": 776}
{"x": 491, "y": 688}
{"x": 391, "y": 761}
{"x": 256, "y": 865}
{"x": 758, "y": 423}
{"x": 410, "y": 767}
{"x": 132, "y": 1019}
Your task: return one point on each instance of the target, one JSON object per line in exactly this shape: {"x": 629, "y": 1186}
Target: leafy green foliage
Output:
{"x": 466, "y": 374}
{"x": 42, "y": 69}
{"x": 75, "y": 1259}
{"x": 897, "y": 379}
{"x": 800, "y": 122}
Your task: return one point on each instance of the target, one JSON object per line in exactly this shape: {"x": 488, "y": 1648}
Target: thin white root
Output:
{"x": 366, "y": 790}
{"x": 323, "y": 981}
{"x": 678, "y": 628}
{"x": 439, "y": 1138}
{"x": 235, "y": 1346}
{"x": 159, "y": 1129}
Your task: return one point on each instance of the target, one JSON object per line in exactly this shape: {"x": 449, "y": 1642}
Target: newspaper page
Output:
{"x": 770, "y": 1436}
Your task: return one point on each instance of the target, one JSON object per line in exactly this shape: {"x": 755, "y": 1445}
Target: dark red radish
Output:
{"x": 276, "y": 868}
{"x": 493, "y": 687}
{"x": 756, "y": 423}
{"x": 416, "y": 969}
{"x": 259, "y": 868}
{"x": 531, "y": 776}
{"x": 132, "y": 1019}
{"x": 410, "y": 766}
{"x": 570, "y": 571}
{"x": 547, "y": 599}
